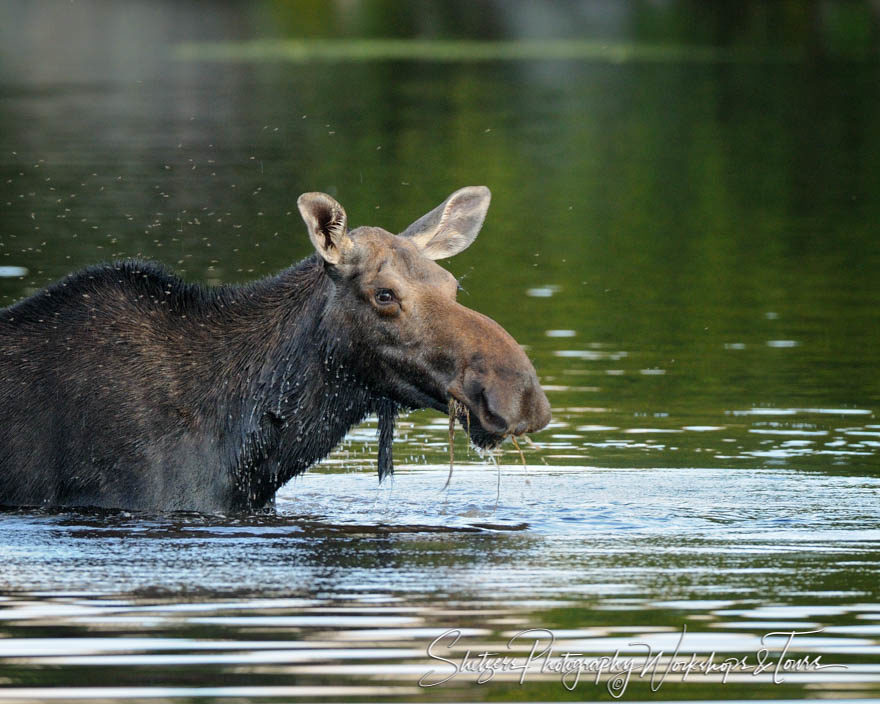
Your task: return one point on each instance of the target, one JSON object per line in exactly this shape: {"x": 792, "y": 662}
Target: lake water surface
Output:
{"x": 684, "y": 239}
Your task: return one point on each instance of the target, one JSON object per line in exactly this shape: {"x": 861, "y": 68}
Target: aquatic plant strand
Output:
{"x": 457, "y": 409}
{"x": 521, "y": 455}
{"x": 453, "y": 410}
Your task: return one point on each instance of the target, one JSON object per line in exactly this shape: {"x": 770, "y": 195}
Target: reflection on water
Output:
{"x": 683, "y": 237}
{"x": 343, "y": 589}
{"x": 356, "y": 640}
{"x": 843, "y": 439}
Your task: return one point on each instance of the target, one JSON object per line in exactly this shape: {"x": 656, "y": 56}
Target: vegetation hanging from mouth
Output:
{"x": 519, "y": 450}
{"x": 458, "y": 410}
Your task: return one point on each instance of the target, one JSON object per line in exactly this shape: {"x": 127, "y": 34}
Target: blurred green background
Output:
{"x": 684, "y": 194}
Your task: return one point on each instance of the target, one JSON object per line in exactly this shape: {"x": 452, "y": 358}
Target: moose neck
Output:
{"x": 295, "y": 395}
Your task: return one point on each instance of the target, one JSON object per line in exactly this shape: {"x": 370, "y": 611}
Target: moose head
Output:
{"x": 414, "y": 342}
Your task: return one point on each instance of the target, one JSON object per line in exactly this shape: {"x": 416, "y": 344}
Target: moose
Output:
{"x": 122, "y": 386}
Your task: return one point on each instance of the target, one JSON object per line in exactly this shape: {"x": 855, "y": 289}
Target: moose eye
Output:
{"x": 385, "y": 296}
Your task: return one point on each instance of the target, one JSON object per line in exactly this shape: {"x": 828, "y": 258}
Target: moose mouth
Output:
{"x": 470, "y": 421}
{"x": 468, "y": 414}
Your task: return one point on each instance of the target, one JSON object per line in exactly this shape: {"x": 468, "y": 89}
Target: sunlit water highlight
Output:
{"x": 683, "y": 238}
{"x": 351, "y": 581}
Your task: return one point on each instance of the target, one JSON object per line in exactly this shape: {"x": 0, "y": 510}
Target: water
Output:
{"x": 684, "y": 240}
{"x": 342, "y": 591}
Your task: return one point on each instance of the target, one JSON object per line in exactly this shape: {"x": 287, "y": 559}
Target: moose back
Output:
{"x": 122, "y": 386}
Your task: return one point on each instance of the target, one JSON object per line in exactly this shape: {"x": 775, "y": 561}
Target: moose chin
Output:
{"x": 122, "y": 386}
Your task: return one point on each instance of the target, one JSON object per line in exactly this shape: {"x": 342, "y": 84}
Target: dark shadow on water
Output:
{"x": 90, "y": 521}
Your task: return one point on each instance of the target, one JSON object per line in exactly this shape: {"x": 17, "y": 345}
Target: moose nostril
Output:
{"x": 489, "y": 406}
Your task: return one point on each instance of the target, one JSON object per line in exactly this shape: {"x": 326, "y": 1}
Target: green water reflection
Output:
{"x": 683, "y": 234}
{"x": 712, "y": 225}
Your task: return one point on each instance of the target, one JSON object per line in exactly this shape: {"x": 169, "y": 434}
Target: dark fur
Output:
{"x": 123, "y": 386}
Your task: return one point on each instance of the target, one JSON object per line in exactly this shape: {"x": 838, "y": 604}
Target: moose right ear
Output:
{"x": 451, "y": 226}
{"x": 327, "y": 224}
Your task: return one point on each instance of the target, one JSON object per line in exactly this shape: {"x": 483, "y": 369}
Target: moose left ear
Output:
{"x": 451, "y": 226}
{"x": 327, "y": 224}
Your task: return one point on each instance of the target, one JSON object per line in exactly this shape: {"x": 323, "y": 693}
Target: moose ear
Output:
{"x": 451, "y": 226}
{"x": 327, "y": 222}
